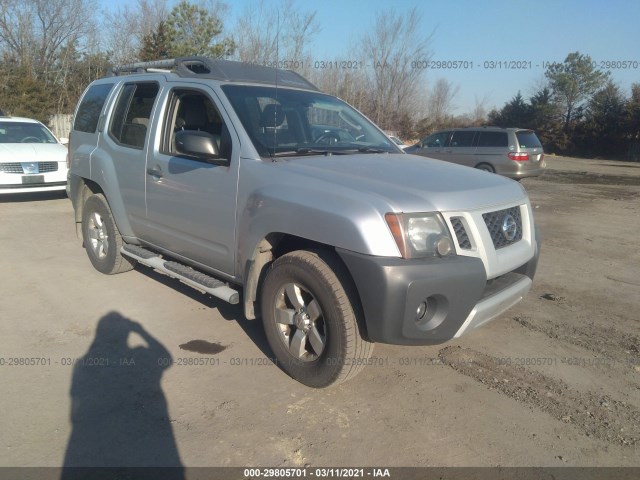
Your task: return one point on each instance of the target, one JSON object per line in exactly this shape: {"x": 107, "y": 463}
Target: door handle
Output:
{"x": 155, "y": 172}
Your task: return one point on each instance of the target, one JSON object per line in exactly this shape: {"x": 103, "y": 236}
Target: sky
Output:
{"x": 513, "y": 33}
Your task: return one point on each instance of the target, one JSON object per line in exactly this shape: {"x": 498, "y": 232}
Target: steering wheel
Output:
{"x": 329, "y": 138}
{"x": 31, "y": 140}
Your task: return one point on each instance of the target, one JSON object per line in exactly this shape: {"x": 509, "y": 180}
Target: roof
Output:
{"x": 218, "y": 69}
{"x": 18, "y": 119}
{"x": 488, "y": 129}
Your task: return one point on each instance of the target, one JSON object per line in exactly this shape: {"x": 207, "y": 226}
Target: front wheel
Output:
{"x": 309, "y": 312}
{"x": 102, "y": 240}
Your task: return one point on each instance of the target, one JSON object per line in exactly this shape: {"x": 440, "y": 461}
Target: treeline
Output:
{"x": 50, "y": 50}
{"x": 580, "y": 111}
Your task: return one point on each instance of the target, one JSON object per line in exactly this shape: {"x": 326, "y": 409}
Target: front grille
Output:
{"x": 16, "y": 167}
{"x": 46, "y": 167}
{"x": 11, "y": 168}
{"x": 461, "y": 233}
{"x": 496, "y": 221}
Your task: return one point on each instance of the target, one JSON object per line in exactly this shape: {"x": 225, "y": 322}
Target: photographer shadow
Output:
{"x": 118, "y": 410}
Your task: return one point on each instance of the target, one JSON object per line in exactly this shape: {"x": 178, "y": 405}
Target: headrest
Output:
{"x": 194, "y": 114}
{"x": 272, "y": 116}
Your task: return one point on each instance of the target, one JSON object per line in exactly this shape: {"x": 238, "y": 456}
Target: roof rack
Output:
{"x": 217, "y": 69}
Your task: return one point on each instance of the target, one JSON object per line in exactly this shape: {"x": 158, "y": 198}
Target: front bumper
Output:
{"x": 38, "y": 187}
{"x": 456, "y": 291}
{"x": 37, "y": 182}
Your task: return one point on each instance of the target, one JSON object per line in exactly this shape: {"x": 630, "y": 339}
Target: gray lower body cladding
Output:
{"x": 430, "y": 301}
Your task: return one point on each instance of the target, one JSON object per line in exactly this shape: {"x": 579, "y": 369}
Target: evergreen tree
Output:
{"x": 156, "y": 45}
{"x": 193, "y": 31}
{"x": 515, "y": 113}
{"x": 572, "y": 83}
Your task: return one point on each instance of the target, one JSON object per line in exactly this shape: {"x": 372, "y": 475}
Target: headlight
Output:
{"x": 420, "y": 235}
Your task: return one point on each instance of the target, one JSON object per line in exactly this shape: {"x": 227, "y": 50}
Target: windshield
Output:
{"x": 282, "y": 122}
{"x": 23, "y": 132}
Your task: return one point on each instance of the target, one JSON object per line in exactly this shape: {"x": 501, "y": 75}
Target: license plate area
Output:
{"x": 32, "y": 179}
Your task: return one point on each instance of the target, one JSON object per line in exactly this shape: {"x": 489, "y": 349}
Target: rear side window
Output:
{"x": 462, "y": 139}
{"x": 493, "y": 139}
{"x": 131, "y": 115}
{"x": 89, "y": 110}
{"x": 528, "y": 139}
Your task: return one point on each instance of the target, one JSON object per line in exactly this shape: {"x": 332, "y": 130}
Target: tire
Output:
{"x": 102, "y": 240}
{"x": 485, "y": 167}
{"x": 310, "y": 317}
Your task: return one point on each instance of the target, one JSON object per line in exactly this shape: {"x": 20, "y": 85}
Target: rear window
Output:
{"x": 493, "y": 139}
{"x": 89, "y": 110}
{"x": 132, "y": 113}
{"x": 528, "y": 139}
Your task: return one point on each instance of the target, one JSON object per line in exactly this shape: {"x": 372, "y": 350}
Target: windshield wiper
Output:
{"x": 326, "y": 152}
{"x": 372, "y": 150}
{"x": 301, "y": 151}
{"x": 313, "y": 151}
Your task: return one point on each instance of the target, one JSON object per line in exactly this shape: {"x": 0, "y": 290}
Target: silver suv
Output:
{"x": 249, "y": 184}
{"x": 513, "y": 152}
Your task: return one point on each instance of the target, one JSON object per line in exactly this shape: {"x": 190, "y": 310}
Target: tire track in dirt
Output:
{"x": 606, "y": 341}
{"x": 596, "y": 415}
{"x": 589, "y": 178}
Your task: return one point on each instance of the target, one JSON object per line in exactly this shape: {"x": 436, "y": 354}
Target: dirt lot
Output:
{"x": 553, "y": 382}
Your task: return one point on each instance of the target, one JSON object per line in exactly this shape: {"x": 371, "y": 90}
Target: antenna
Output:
{"x": 275, "y": 110}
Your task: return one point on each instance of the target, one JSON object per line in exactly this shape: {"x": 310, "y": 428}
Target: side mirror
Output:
{"x": 198, "y": 144}
{"x": 64, "y": 140}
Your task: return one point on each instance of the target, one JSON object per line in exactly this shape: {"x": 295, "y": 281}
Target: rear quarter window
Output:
{"x": 89, "y": 110}
{"x": 131, "y": 116}
{"x": 528, "y": 139}
{"x": 493, "y": 139}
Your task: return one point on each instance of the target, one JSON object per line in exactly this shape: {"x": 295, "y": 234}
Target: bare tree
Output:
{"x": 479, "y": 112}
{"x": 347, "y": 84}
{"x": 392, "y": 47}
{"x": 33, "y": 32}
{"x": 276, "y": 36}
{"x": 16, "y": 31}
{"x": 128, "y": 25}
{"x": 256, "y": 35}
{"x": 440, "y": 101}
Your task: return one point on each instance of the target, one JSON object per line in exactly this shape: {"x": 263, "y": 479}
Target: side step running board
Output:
{"x": 185, "y": 274}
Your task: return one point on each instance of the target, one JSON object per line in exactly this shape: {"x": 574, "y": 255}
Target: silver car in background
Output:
{"x": 513, "y": 152}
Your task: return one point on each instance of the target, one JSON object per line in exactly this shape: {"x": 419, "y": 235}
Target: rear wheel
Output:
{"x": 486, "y": 167}
{"x": 310, "y": 320}
{"x": 102, "y": 240}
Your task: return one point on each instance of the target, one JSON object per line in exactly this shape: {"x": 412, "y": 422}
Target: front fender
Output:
{"x": 327, "y": 217}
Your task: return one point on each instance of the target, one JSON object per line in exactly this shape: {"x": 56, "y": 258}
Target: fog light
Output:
{"x": 421, "y": 311}
{"x": 444, "y": 246}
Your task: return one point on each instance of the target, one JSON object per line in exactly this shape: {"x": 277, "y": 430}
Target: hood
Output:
{"x": 32, "y": 152}
{"x": 410, "y": 183}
